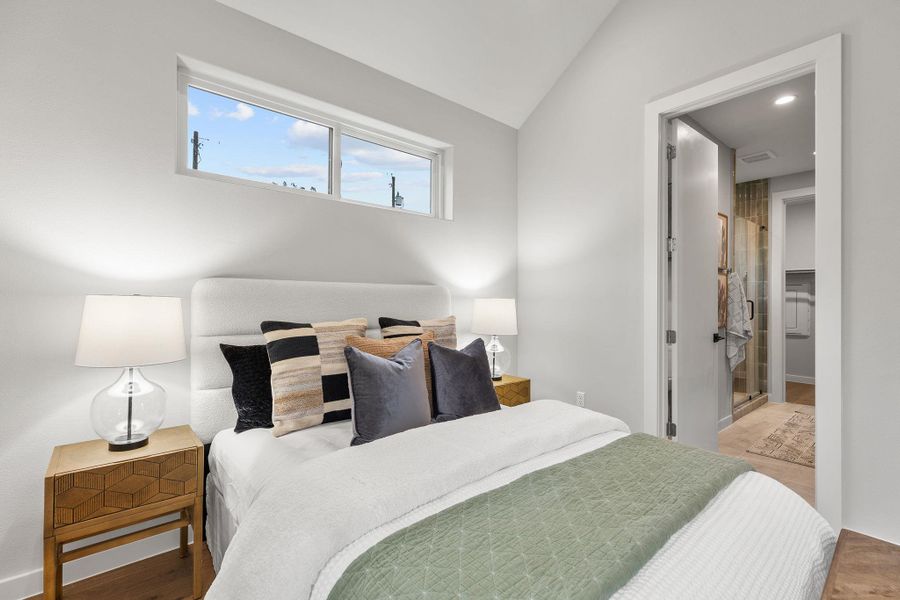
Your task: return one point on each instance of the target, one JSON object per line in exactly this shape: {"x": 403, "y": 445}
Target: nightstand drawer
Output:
{"x": 83, "y": 495}
{"x": 512, "y": 390}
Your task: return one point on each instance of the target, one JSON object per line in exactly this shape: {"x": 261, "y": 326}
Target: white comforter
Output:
{"x": 756, "y": 539}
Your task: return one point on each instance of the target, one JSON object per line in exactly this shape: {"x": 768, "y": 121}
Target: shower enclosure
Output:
{"x": 751, "y": 263}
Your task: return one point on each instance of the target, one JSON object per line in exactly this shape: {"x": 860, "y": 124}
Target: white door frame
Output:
{"x": 824, "y": 59}
{"x": 777, "y": 342}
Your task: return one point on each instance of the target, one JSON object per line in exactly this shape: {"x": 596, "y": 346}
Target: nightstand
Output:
{"x": 512, "y": 390}
{"x": 89, "y": 490}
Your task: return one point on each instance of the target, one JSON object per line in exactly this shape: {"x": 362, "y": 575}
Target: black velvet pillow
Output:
{"x": 251, "y": 386}
{"x": 462, "y": 381}
{"x": 389, "y": 394}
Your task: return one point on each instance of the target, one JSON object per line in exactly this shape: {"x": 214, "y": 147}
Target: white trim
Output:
{"x": 31, "y": 583}
{"x": 800, "y": 379}
{"x": 777, "y": 342}
{"x": 823, "y": 58}
{"x": 339, "y": 121}
{"x": 725, "y": 422}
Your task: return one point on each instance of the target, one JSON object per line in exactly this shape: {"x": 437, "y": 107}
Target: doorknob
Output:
{"x": 717, "y": 338}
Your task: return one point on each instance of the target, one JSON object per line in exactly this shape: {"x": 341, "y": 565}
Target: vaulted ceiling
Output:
{"x": 497, "y": 57}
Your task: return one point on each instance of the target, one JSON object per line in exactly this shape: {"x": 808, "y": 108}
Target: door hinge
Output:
{"x": 671, "y": 245}
{"x": 670, "y": 336}
{"x": 670, "y": 430}
{"x": 670, "y": 152}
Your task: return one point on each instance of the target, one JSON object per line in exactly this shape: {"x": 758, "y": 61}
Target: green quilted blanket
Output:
{"x": 576, "y": 530}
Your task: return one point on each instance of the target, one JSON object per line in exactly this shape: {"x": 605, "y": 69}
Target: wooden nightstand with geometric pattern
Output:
{"x": 89, "y": 490}
{"x": 512, "y": 390}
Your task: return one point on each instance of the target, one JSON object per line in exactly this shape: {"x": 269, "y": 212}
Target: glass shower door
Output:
{"x": 751, "y": 264}
{"x": 746, "y": 375}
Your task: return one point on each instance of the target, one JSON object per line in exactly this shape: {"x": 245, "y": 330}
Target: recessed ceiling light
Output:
{"x": 785, "y": 99}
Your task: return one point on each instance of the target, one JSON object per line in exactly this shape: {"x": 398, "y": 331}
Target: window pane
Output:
{"x": 246, "y": 141}
{"x": 379, "y": 175}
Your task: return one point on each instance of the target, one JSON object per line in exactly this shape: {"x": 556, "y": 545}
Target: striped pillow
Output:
{"x": 444, "y": 329}
{"x": 309, "y": 372}
{"x": 388, "y": 348}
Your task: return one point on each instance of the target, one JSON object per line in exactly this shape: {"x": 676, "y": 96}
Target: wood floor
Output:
{"x": 863, "y": 568}
{"x": 740, "y": 435}
{"x": 162, "y": 577}
{"x": 800, "y": 393}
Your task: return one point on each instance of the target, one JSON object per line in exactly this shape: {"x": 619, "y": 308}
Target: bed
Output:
{"x": 292, "y": 517}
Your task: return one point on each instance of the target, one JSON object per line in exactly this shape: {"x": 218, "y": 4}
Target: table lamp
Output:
{"x": 129, "y": 332}
{"x": 494, "y": 317}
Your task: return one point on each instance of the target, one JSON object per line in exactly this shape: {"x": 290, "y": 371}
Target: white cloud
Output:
{"x": 308, "y": 135}
{"x": 362, "y": 176}
{"x": 296, "y": 170}
{"x": 241, "y": 112}
{"x": 379, "y": 156}
{"x": 192, "y": 110}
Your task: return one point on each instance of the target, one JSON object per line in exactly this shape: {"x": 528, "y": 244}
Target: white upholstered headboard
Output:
{"x": 227, "y": 310}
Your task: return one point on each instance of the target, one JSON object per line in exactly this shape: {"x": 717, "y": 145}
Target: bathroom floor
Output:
{"x": 800, "y": 393}
{"x": 740, "y": 435}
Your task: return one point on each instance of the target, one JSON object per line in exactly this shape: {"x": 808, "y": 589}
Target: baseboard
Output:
{"x": 31, "y": 583}
{"x": 800, "y": 379}
{"x": 724, "y": 422}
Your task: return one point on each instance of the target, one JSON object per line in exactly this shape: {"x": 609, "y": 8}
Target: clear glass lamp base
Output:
{"x": 128, "y": 411}
{"x": 493, "y": 348}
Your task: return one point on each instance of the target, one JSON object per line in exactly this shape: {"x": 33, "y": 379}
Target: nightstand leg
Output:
{"x": 52, "y": 571}
{"x": 197, "y": 525}
{"x": 184, "y": 536}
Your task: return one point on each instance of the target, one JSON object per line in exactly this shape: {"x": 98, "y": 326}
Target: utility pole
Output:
{"x": 393, "y": 191}
{"x": 195, "y": 142}
{"x": 396, "y": 198}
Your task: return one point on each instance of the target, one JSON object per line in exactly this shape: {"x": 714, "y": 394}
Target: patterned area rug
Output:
{"x": 793, "y": 441}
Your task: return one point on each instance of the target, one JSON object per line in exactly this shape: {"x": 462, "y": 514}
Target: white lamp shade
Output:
{"x": 130, "y": 331}
{"x": 494, "y": 316}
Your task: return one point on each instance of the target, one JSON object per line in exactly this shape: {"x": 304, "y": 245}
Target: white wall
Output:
{"x": 800, "y": 236}
{"x": 800, "y": 254}
{"x": 580, "y": 211}
{"x": 800, "y": 350}
{"x": 90, "y": 202}
{"x": 794, "y": 181}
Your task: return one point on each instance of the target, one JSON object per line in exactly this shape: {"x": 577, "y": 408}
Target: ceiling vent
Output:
{"x": 758, "y": 157}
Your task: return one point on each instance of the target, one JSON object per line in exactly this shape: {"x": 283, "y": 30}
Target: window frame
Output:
{"x": 439, "y": 205}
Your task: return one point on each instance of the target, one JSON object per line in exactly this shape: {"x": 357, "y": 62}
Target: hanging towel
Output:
{"x": 738, "y": 329}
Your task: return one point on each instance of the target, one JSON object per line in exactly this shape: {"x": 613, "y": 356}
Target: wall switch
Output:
{"x": 579, "y": 399}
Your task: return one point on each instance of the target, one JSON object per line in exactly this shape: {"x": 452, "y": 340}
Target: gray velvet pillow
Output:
{"x": 389, "y": 394}
{"x": 462, "y": 382}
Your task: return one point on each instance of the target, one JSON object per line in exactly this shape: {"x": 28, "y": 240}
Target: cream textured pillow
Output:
{"x": 309, "y": 372}
{"x": 444, "y": 330}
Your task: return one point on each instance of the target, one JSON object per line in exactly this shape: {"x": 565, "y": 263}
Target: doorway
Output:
{"x": 824, "y": 59}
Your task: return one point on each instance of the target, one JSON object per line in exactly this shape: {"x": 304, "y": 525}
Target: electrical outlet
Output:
{"x": 579, "y": 399}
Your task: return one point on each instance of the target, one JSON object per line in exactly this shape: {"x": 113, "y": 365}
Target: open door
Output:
{"x": 693, "y": 287}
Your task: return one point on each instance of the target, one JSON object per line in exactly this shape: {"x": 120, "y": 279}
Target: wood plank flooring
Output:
{"x": 863, "y": 568}
{"x": 740, "y": 435}
{"x": 165, "y": 576}
{"x": 800, "y": 393}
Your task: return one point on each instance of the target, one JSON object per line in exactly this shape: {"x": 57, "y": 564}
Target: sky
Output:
{"x": 242, "y": 140}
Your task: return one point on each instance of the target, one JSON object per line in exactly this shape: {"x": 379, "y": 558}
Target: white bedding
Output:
{"x": 242, "y": 463}
{"x": 756, "y": 539}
